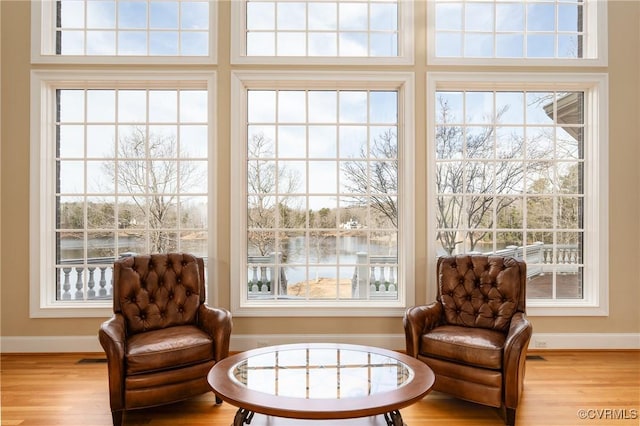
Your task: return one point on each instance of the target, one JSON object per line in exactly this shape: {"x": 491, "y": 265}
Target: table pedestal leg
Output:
{"x": 243, "y": 416}
{"x": 394, "y": 418}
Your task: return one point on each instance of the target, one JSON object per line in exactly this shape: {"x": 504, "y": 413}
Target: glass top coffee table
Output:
{"x": 320, "y": 381}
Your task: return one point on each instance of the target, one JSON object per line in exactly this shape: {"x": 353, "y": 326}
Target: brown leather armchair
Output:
{"x": 475, "y": 335}
{"x": 162, "y": 339}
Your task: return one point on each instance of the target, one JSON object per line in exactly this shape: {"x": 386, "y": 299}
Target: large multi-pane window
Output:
{"x": 286, "y": 31}
{"x": 123, "y": 169}
{"x": 516, "y": 173}
{"x": 509, "y": 171}
{"x": 319, "y": 206}
{"x": 131, "y": 177}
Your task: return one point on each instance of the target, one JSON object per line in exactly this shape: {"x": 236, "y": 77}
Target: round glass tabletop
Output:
{"x": 321, "y": 373}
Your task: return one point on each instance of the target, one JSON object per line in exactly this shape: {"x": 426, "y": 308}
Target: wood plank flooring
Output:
{"x": 59, "y": 389}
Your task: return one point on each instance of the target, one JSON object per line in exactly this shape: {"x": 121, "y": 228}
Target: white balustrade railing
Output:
{"x": 373, "y": 276}
{"x": 97, "y": 272}
{"x": 263, "y": 276}
{"x": 542, "y": 258}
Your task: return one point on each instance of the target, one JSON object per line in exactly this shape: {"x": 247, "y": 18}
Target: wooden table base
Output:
{"x": 245, "y": 417}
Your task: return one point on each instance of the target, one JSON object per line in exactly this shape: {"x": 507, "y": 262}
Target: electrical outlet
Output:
{"x": 262, "y": 343}
{"x": 540, "y": 344}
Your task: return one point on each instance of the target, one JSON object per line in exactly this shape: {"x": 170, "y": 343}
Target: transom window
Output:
{"x": 322, "y": 194}
{"x": 507, "y": 30}
{"x": 75, "y": 30}
{"x": 322, "y": 29}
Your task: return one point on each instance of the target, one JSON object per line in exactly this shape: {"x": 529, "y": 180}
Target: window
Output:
{"x": 130, "y": 31}
{"x": 541, "y": 32}
{"x": 123, "y": 169}
{"x": 519, "y": 164}
{"x": 321, "y": 214}
{"x": 339, "y": 31}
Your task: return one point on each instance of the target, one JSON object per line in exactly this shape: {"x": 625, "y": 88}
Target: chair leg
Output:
{"x": 510, "y": 416}
{"x": 117, "y": 417}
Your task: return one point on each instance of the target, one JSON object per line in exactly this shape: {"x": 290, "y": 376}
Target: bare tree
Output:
{"x": 147, "y": 170}
{"x": 264, "y": 180}
{"x": 449, "y": 180}
{"x": 480, "y": 180}
{"x": 375, "y": 184}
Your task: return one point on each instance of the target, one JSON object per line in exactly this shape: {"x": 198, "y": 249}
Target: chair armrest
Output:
{"x": 515, "y": 356}
{"x": 112, "y": 335}
{"x": 217, "y": 323}
{"x": 418, "y": 320}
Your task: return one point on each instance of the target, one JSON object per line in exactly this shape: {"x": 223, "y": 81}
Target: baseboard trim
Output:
{"x": 243, "y": 342}
{"x": 49, "y": 344}
{"x": 604, "y": 341}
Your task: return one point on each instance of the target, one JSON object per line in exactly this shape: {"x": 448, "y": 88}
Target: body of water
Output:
{"x": 329, "y": 257}
{"x": 73, "y": 248}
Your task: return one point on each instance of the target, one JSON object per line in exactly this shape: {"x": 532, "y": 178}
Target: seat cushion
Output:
{"x": 168, "y": 348}
{"x": 481, "y": 347}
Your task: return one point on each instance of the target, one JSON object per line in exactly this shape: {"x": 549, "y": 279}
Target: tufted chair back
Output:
{"x": 158, "y": 290}
{"x": 481, "y": 291}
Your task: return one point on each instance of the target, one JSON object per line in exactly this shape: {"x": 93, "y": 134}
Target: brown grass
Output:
{"x": 322, "y": 288}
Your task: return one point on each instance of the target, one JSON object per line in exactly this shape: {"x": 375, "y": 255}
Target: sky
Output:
{"x": 136, "y": 27}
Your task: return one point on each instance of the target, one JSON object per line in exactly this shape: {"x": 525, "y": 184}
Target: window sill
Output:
{"x": 72, "y": 310}
{"x": 306, "y": 308}
{"x": 579, "y": 308}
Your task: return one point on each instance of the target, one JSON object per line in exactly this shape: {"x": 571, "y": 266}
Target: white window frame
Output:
{"x": 595, "y": 301}
{"x": 405, "y": 45}
{"x": 595, "y": 53}
{"x": 42, "y": 210}
{"x": 43, "y": 14}
{"x": 241, "y": 82}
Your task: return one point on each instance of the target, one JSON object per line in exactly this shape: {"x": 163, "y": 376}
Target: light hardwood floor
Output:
{"x": 60, "y": 389}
